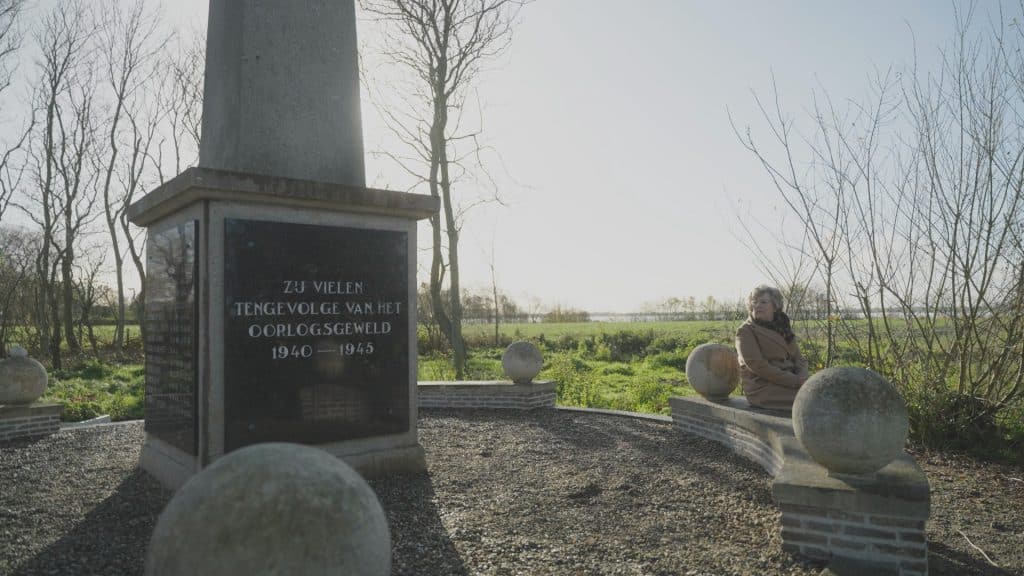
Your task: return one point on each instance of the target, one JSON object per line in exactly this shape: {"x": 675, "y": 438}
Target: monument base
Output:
{"x": 173, "y": 467}
{"x": 169, "y": 465}
{"x": 385, "y": 461}
{"x": 279, "y": 310}
{"x": 29, "y": 421}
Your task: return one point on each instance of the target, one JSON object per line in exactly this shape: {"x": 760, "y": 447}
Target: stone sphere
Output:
{"x": 850, "y": 420}
{"x": 521, "y": 361}
{"x": 22, "y": 379}
{"x": 713, "y": 371}
{"x": 272, "y": 509}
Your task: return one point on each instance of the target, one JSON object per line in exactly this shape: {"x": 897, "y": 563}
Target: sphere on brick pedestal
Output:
{"x": 850, "y": 420}
{"x": 522, "y": 361}
{"x": 713, "y": 371}
{"x": 272, "y": 509}
{"x": 22, "y": 379}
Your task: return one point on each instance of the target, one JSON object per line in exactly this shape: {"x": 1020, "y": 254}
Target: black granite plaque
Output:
{"x": 316, "y": 333}
{"x": 172, "y": 336}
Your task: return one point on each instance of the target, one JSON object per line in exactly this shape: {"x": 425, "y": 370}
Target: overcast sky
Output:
{"x": 621, "y": 173}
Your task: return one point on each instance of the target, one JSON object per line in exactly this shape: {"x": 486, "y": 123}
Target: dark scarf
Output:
{"x": 780, "y": 323}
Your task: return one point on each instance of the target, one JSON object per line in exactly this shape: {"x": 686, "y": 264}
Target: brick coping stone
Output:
{"x": 33, "y": 409}
{"x": 876, "y": 520}
{"x": 486, "y": 386}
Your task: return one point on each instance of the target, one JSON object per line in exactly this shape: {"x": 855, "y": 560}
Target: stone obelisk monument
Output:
{"x": 280, "y": 291}
{"x": 282, "y": 90}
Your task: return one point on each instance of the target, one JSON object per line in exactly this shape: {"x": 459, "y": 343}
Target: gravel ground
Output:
{"x": 545, "y": 492}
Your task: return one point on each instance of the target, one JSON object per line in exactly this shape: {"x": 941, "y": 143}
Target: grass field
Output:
{"x": 622, "y": 366}
{"x": 93, "y": 388}
{"x": 712, "y": 329}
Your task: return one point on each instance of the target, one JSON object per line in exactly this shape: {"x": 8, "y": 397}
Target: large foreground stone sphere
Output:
{"x": 522, "y": 361}
{"x": 22, "y": 379}
{"x": 713, "y": 371}
{"x": 272, "y": 509}
{"x": 850, "y": 420}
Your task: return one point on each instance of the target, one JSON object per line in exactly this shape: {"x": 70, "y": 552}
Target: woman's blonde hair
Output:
{"x": 772, "y": 293}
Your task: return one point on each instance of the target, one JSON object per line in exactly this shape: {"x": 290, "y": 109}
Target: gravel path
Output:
{"x": 546, "y": 492}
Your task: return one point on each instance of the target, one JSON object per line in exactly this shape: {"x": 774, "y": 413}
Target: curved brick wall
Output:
{"x": 874, "y": 521}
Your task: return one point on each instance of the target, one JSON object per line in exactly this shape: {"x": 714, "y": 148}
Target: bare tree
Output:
{"x": 497, "y": 303}
{"x": 10, "y": 43}
{"x": 131, "y": 183}
{"x": 710, "y": 308}
{"x": 16, "y": 264}
{"x": 89, "y": 292}
{"x": 130, "y": 47}
{"x": 179, "y": 104}
{"x": 78, "y": 185}
{"x": 63, "y": 188}
{"x": 923, "y": 232}
{"x": 12, "y": 170}
{"x": 442, "y": 44}
{"x": 818, "y": 192}
{"x": 164, "y": 139}
{"x": 10, "y": 38}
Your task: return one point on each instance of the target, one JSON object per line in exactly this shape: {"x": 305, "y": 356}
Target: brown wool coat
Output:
{"x": 771, "y": 369}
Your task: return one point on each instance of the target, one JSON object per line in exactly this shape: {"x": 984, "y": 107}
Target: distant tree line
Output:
{"x": 485, "y": 305}
{"x": 690, "y": 308}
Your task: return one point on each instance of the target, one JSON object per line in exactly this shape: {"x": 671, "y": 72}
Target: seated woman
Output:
{"x": 772, "y": 369}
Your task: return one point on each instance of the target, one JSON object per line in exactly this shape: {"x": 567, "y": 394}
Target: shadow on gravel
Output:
{"x": 599, "y": 436}
{"x": 588, "y": 431}
{"x": 111, "y": 539}
{"x": 419, "y": 542}
{"x": 591, "y": 432}
{"x": 943, "y": 560}
{"x": 23, "y": 442}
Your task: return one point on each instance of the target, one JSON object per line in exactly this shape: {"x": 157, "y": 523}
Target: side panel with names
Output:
{"x": 316, "y": 333}
{"x": 172, "y": 336}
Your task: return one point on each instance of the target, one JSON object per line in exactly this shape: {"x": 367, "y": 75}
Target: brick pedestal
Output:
{"x": 875, "y": 522}
{"x": 29, "y": 421}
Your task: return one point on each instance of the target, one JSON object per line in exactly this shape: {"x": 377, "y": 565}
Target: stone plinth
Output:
{"x": 487, "y": 394}
{"x": 876, "y": 521}
{"x": 880, "y": 520}
{"x": 279, "y": 310}
{"x": 29, "y": 420}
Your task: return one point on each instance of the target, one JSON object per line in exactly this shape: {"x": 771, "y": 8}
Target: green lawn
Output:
{"x": 621, "y": 366}
{"x": 716, "y": 329}
{"x": 93, "y": 388}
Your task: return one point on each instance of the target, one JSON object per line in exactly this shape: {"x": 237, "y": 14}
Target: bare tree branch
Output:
{"x": 442, "y": 44}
